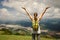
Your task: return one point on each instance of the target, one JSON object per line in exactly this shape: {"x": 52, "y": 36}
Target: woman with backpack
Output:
{"x": 35, "y": 23}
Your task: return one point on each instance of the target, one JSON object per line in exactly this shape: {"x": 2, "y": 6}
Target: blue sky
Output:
{"x": 11, "y": 9}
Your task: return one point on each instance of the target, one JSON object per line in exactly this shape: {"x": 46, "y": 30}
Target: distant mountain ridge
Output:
{"x": 52, "y": 24}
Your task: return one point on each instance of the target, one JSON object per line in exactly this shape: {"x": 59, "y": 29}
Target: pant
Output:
{"x": 34, "y": 36}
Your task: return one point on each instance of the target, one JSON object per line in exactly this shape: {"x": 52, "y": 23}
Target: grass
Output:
{"x": 19, "y": 37}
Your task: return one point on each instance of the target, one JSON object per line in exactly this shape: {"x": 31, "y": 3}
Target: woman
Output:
{"x": 35, "y": 23}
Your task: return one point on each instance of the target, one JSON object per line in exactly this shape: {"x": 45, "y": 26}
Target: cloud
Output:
{"x": 55, "y": 3}
{"x": 5, "y": 15}
{"x": 8, "y": 15}
{"x": 32, "y": 6}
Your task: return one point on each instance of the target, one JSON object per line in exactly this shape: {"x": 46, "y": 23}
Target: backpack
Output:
{"x": 35, "y": 25}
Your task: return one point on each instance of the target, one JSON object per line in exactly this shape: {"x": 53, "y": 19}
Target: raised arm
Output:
{"x": 40, "y": 17}
{"x": 27, "y": 13}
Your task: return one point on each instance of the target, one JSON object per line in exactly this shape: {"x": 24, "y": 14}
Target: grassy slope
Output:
{"x": 16, "y": 37}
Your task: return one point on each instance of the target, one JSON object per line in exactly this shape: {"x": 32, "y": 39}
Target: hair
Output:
{"x": 35, "y": 16}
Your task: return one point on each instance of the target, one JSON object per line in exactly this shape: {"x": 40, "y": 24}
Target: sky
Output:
{"x": 11, "y": 10}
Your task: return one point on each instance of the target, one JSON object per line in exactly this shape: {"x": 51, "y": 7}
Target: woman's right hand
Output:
{"x": 23, "y": 8}
{"x": 47, "y": 7}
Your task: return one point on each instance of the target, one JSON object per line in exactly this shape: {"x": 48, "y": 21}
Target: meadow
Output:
{"x": 20, "y": 37}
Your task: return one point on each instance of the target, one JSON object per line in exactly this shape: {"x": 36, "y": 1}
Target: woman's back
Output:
{"x": 35, "y": 25}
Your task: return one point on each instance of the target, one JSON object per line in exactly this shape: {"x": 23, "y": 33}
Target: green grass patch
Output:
{"x": 19, "y": 37}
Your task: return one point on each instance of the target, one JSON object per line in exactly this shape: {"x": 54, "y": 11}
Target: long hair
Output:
{"x": 35, "y": 16}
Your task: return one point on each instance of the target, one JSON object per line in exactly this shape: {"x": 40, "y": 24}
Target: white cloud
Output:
{"x": 5, "y": 15}
{"x": 10, "y": 16}
{"x": 56, "y": 10}
{"x": 55, "y": 3}
{"x": 32, "y": 6}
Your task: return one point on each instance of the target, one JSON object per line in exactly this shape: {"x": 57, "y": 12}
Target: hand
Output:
{"x": 23, "y": 8}
{"x": 47, "y": 7}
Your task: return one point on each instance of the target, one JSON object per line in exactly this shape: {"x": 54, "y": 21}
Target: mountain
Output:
{"x": 51, "y": 24}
